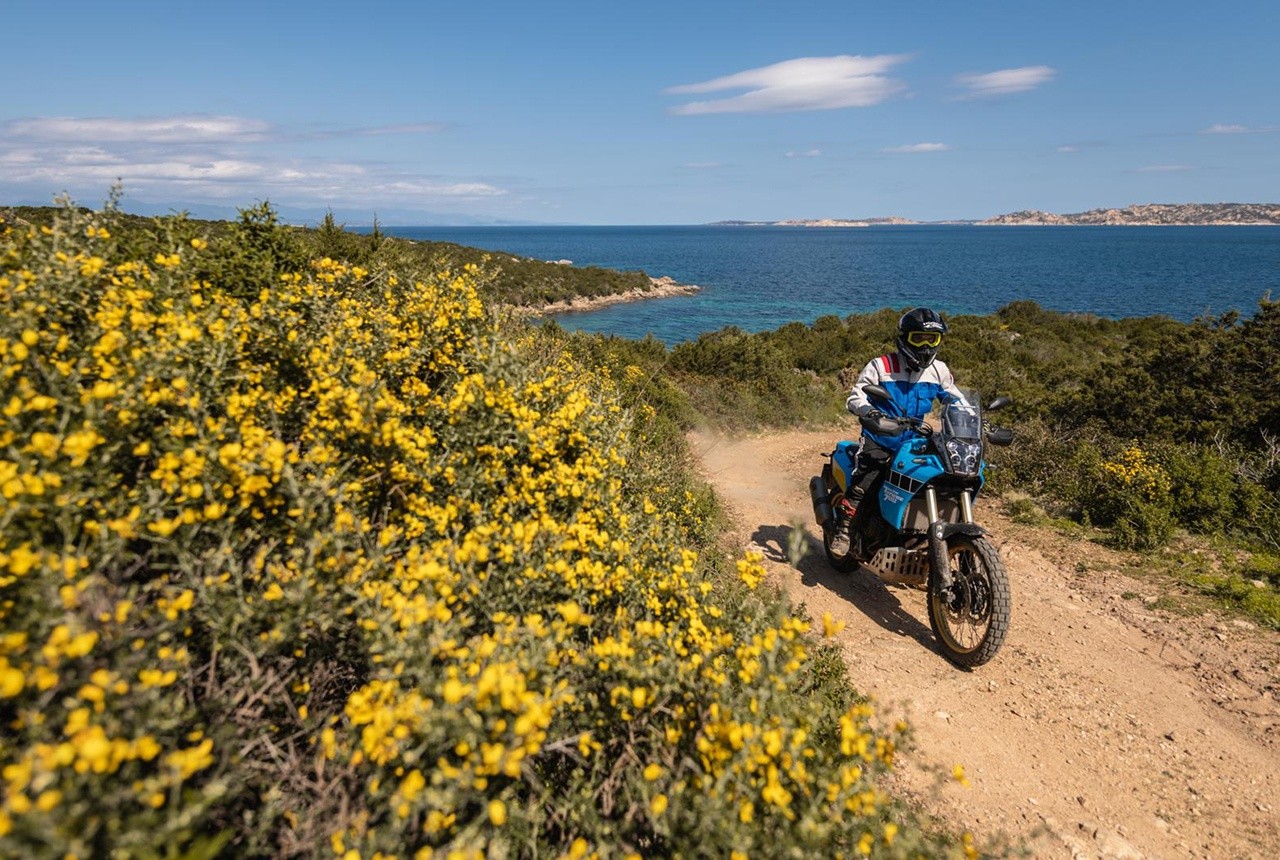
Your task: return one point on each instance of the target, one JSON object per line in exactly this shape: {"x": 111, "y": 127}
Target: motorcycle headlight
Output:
{"x": 963, "y": 458}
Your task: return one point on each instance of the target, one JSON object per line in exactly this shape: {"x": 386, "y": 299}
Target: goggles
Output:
{"x": 924, "y": 338}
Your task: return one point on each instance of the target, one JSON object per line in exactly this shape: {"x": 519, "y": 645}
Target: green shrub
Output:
{"x": 1264, "y": 567}
{"x": 315, "y": 561}
{"x": 1132, "y": 498}
{"x": 1205, "y": 494}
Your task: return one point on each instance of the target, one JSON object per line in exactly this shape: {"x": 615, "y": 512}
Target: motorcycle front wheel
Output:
{"x": 837, "y": 540}
{"x": 971, "y": 617}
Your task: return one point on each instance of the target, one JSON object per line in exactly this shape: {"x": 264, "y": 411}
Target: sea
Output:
{"x": 761, "y": 277}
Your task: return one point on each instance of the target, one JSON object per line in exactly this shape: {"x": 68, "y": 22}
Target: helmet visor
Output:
{"x": 930, "y": 339}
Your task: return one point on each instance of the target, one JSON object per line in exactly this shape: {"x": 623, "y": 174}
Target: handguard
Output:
{"x": 882, "y": 424}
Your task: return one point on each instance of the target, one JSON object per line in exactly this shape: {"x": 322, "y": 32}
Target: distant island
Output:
{"x": 1153, "y": 214}
{"x": 1137, "y": 215}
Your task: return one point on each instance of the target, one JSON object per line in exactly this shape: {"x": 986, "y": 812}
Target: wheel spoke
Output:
{"x": 971, "y": 617}
{"x": 968, "y": 609}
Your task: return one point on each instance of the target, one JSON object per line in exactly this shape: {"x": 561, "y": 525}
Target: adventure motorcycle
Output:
{"x": 915, "y": 525}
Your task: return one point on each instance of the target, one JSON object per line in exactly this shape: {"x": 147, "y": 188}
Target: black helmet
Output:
{"x": 920, "y": 334}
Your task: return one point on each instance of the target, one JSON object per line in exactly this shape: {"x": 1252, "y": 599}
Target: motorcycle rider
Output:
{"x": 915, "y": 377}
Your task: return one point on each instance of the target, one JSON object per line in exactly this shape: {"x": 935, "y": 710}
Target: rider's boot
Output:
{"x": 849, "y": 511}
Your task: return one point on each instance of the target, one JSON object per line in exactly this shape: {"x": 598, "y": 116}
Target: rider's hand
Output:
{"x": 874, "y": 415}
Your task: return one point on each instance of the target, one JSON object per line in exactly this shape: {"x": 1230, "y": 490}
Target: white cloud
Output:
{"x": 175, "y": 129}
{"x": 1082, "y": 145}
{"x": 417, "y": 187}
{"x": 919, "y": 147}
{"x": 374, "y": 131}
{"x": 1225, "y": 128}
{"x": 807, "y": 83}
{"x": 1004, "y": 82}
{"x": 1166, "y": 168}
{"x": 808, "y": 153}
{"x": 199, "y": 158}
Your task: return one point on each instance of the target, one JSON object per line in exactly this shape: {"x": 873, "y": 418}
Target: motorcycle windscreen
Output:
{"x": 962, "y": 421}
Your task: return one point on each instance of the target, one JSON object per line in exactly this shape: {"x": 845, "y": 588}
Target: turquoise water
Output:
{"x": 759, "y": 278}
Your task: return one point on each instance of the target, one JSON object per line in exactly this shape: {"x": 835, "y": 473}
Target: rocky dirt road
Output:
{"x": 1103, "y": 728}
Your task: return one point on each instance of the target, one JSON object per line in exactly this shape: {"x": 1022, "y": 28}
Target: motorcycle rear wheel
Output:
{"x": 971, "y": 618}
{"x": 837, "y": 540}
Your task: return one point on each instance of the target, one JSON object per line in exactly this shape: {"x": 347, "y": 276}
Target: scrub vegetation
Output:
{"x": 305, "y": 555}
{"x": 1141, "y": 429}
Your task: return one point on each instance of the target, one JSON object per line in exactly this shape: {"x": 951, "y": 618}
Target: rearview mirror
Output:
{"x": 1000, "y": 436}
{"x": 999, "y": 403}
{"x": 878, "y": 391}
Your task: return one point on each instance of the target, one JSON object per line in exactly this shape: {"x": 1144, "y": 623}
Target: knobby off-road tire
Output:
{"x": 837, "y": 540}
{"x": 972, "y": 617}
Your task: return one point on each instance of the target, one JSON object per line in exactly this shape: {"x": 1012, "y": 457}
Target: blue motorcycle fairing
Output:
{"x": 905, "y": 480}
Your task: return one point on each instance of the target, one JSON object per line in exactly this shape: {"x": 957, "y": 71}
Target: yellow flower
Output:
{"x": 80, "y": 444}
{"x": 497, "y": 813}
{"x": 191, "y": 760}
{"x": 45, "y": 444}
{"x": 412, "y": 784}
{"x": 103, "y": 390}
{"x": 659, "y": 804}
{"x": 11, "y": 680}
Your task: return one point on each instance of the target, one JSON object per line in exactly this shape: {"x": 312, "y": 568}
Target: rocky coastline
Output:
{"x": 1136, "y": 215}
{"x": 1150, "y": 215}
{"x": 660, "y": 288}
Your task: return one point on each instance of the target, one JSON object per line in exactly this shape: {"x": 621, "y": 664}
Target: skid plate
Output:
{"x": 898, "y": 566}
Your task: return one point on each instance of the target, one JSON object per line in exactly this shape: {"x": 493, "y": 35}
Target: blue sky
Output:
{"x": 641, "y": 113}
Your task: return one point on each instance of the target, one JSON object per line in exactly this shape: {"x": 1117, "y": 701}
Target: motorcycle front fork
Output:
{"x": 938, "y": 555}
{"x": 931, "y": 506}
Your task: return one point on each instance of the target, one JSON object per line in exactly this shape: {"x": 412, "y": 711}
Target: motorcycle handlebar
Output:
{"x": 888, "y": 425}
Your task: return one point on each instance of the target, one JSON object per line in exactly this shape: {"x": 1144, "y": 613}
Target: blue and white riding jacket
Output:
{"x": 913, "y": 393}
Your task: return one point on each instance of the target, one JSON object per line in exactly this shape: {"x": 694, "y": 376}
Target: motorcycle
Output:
{"x": 915, "y": 524}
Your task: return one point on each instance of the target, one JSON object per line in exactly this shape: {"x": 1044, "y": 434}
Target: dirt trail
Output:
{"x": 1103, "y": 728}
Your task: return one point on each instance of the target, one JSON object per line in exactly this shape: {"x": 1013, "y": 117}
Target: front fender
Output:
{"x": 939, "y": 534}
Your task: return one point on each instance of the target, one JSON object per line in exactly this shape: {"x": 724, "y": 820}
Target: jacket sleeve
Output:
{"x": 950, "y": 393}
{"x": 857, "y": 402}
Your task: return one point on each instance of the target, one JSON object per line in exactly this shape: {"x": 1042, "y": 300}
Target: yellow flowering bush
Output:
{"x": 298, "y": 558}
{"x": 1134, "y": 497}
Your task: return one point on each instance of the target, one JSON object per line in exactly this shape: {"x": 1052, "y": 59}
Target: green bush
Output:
{"x": 1206, "y": 496}
{"x": 317, "y": 561}
{"x": 1133, "y": 498}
